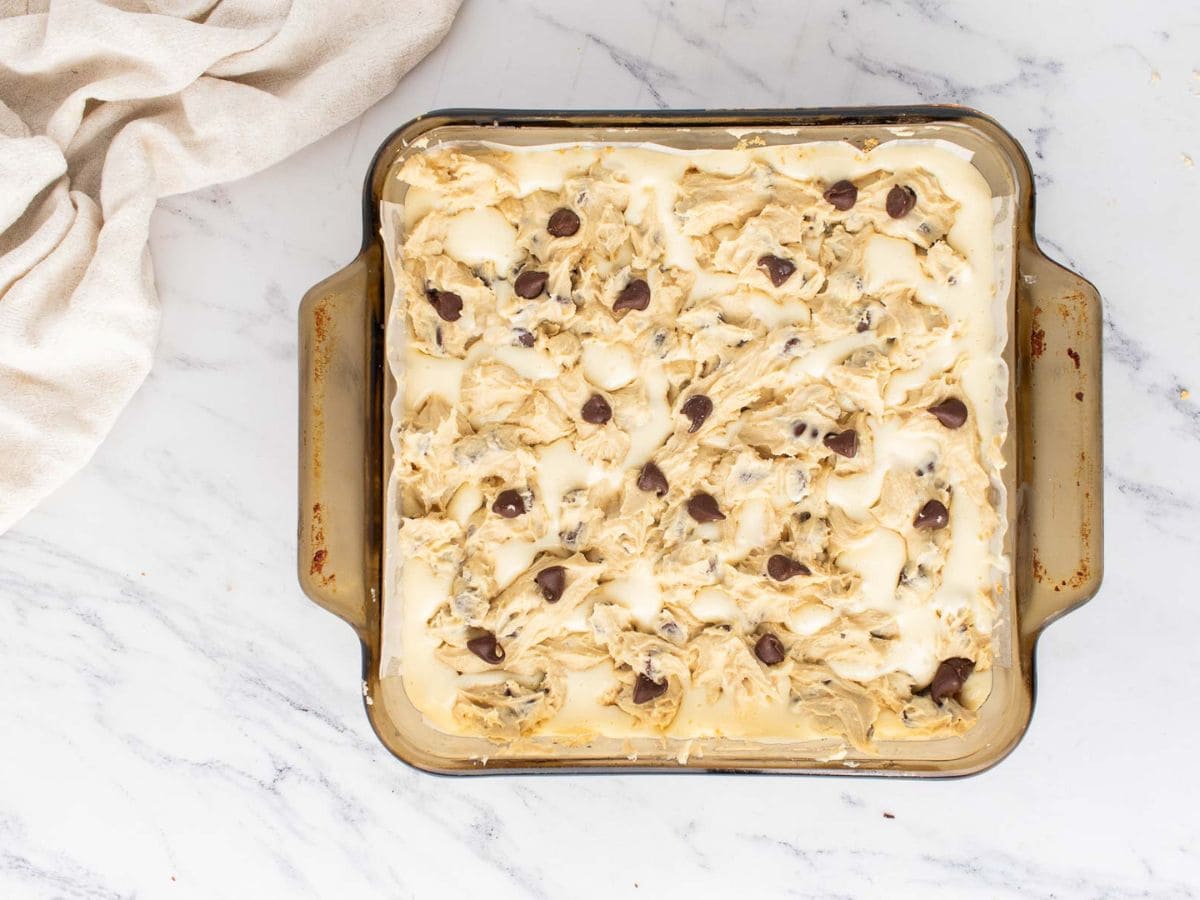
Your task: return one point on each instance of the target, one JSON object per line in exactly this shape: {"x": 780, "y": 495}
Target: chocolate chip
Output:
{"x": 697, "y": 408}
{"x": 933, "y": 515}
{"x": 842, "y": 195}
{"x": 486, "y": 648}
{"x": 509, "y": 504}
{"x": 645, "y": 690}
{"x": 703, "y": 508}
{"x": 781, "y": 567}
{"x": 448, "y": 304}
{"x": 844, "y": 443}
{"x": 530, "y": 284}
{"x": 951, "y": 412}
{"x": 563, "y": 223}
{"x": 635, "y": 295}
{"x": 596, "y": 410}
{"x": 526, "y": 338}
{"x": 900, "y": 201}
{"x": 770, "y": 650}
{"x": 778, "y": 269}
{"x": 799, "y": 428}
{"x": 552, "y": 580}
{"x": 950, "y": 677}
{"x": 651, "y": 478}
{"x": 864, "y": 321}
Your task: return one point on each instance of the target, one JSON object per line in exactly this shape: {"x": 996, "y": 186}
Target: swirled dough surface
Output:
{"x": 800, "y": 322}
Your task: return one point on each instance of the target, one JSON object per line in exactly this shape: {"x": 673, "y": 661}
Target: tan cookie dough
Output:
{"x": 675, "y": 472}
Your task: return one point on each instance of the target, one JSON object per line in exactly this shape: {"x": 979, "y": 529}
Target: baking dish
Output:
{"x": 1053, "y": 449}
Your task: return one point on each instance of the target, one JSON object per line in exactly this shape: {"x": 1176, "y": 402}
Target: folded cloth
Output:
{"x": 104, "y": 108}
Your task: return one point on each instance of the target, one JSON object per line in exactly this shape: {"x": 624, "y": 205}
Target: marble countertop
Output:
{"x": 177, "y": 720}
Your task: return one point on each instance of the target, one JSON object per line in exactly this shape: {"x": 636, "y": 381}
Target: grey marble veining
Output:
{"x": 177, "y": 720}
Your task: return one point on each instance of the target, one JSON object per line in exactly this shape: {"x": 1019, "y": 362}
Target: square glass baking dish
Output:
{"x": 1053, "y": 449}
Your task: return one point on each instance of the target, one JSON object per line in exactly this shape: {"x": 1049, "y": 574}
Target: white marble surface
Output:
{"x": 177, "y": 720}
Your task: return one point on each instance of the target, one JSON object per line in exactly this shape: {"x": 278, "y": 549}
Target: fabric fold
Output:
{"x": 105, "y": 108}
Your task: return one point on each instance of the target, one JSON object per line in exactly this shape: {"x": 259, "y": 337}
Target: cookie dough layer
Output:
{"x": 665, "y": 462}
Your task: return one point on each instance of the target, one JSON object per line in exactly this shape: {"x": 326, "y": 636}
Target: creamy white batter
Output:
{"x": 667, "y": 625}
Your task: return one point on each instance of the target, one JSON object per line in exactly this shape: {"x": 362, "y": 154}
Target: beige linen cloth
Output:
{"x": 104, "y": 108}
